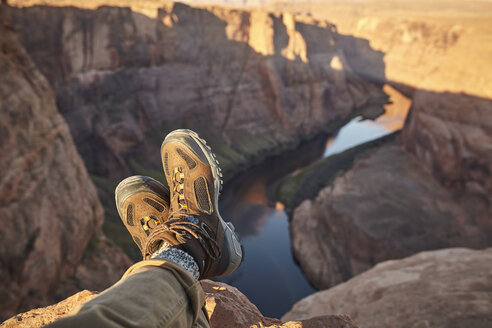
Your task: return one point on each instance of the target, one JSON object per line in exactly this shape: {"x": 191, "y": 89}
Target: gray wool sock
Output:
{"x": 179, "y": 257}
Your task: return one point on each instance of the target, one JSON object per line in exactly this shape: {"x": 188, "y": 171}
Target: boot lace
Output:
{"x": 179, "y": 208}
{"x": 179, "y": 223}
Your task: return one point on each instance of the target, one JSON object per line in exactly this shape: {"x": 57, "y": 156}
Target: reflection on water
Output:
{"x": 359, "y": 131}
{"x": 269, "y": 276}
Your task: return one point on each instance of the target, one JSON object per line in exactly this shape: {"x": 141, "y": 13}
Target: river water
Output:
{"x": 269, "y": 276}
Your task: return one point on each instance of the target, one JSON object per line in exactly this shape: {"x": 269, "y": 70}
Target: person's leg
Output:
{"x": 181, "y": 230}
{"x": 153, "y": 293}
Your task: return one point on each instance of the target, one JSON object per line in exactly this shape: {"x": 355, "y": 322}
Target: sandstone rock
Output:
{"x": 253, "y": 83}
{"x": 48, "y": 204}
{"x": 42, "y": 316}
{"x": 307, "y": 183}
{"x": 446, "y": 288}
{"x": 260, "y": 80}
{"x": 103, "y": 263}
{"x": 438, "y": 46}
{"x": 386, "y": 206}
{"x": 226, "y": 307}
{"x": 430, "y": 190}
{"x": 451, "y": 135}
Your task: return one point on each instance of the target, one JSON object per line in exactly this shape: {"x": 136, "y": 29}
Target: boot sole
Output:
{"x": 232, "y": 251}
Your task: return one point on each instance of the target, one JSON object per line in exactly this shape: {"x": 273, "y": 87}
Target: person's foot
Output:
{"x": 195, "y": 225}
{"x": 143, "y": 204}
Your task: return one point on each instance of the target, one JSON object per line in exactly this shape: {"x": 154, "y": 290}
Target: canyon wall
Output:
{"x": 122, "y": 79}
{"x": 253, "y": 83}
{"x": 451, "y": 135}
{"x": 48, "y": 204}
{"x": 428, "y": 188}
{"x": 440, "y": 46}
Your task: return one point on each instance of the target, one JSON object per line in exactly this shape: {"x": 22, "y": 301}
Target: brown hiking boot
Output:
{"x": 143, "y": 204}
{"x": 195, "y": 224}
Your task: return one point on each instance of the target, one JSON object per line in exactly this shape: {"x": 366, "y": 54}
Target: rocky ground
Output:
{"x": 445, "y": 288}
{"x": 451, "y": 136}
{"x": 384, "y": 207}
{"x": 226, "y": 307}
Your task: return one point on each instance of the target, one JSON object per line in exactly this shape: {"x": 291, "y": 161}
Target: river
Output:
{"x": 269, "y": 276}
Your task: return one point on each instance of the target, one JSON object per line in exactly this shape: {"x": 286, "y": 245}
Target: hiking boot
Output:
{"x": 194, "y": 224}
{"x": 143, "y": 204}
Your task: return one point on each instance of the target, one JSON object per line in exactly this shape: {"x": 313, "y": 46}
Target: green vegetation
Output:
{"x": 306, "y": 184}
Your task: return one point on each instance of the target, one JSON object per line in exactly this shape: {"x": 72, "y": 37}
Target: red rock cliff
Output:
{"x": 250, "y": 81}
{"x": 48, "y": 204}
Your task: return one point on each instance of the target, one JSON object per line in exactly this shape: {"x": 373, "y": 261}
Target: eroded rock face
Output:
{"x": 446, "y": 288}
{"x": 48, "y": 204}
{"x": 451, "y": 135}
{"x": 252, "y": 82}
{"x": 431, "y": 189}
{"x": 384, "y": 207}
{"x": 226, "y": 307}
{"x": 102, "y": 264}
{"x": 440, "y": 46}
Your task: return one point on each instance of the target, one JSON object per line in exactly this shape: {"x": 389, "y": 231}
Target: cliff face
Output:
{"x": 439, "y": 46}
{"x": 250, "y": 81}
{"x": 429, "y": 189}
{"x": 384, "y": 207}
{"x": 451, "y": 135}
{"x": 253, "y": 83}
{"x": 48, "y": 204}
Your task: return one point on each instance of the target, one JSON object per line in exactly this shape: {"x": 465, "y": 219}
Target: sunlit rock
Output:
{"x": 226, "y": 306}
{"x": 444, "y": 288}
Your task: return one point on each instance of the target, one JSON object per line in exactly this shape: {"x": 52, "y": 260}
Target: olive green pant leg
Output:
{"x": 154, "y": 293}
